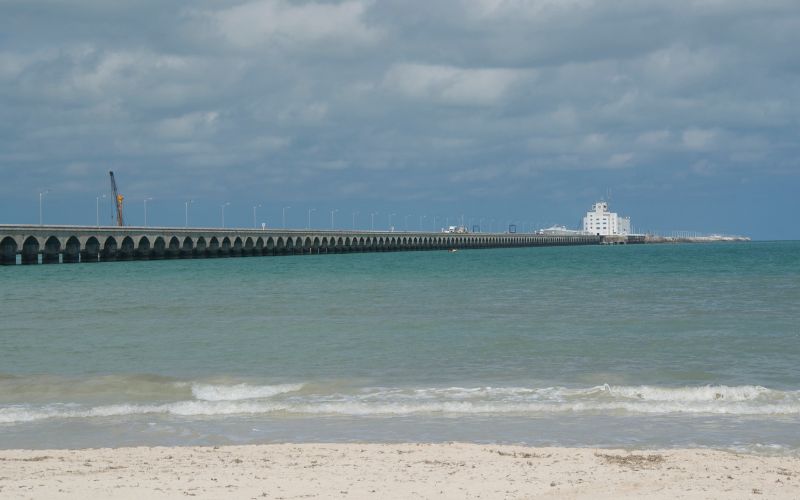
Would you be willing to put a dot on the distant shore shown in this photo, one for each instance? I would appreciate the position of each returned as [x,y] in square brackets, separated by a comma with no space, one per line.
[453,470]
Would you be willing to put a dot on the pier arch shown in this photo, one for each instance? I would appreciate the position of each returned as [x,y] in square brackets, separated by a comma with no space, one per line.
[143,249]
[213,247]
[173,250]
[237,247]
[225,247]
[72,251]
[187,248]
[91,250]
[159,249]
[30,250]
[8,251]
[51,251]
[110,249]
[201,247]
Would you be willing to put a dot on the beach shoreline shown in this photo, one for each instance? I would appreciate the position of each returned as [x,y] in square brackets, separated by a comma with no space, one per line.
[412,470]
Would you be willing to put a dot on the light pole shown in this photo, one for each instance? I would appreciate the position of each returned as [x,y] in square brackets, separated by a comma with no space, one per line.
[333,212]
[422,218]
[391,228]
[145,210]
[372,221]
[223,212]
[254,215]
[434,222]
[308,226]
[98,208]
[354,220]
[41,195]
[186,213]
[283,215]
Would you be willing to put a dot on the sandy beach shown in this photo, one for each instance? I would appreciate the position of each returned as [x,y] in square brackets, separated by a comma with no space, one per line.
[453,470]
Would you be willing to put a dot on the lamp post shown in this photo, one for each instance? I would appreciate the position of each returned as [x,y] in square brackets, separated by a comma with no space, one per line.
[98,208]
[354,220]
[145,210]
[434,222]
[308,226]
[333,212]
[223,212]
[422,218]
[254,215]
[283,215]
[41,195]
[186,212]
[372,221]
[391,228]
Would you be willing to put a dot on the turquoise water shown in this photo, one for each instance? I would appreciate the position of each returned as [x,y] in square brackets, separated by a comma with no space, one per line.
[635,346]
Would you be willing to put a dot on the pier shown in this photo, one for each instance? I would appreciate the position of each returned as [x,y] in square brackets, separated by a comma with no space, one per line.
[27,244]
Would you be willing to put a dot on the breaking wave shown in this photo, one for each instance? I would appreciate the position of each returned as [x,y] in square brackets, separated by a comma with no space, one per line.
[206,399]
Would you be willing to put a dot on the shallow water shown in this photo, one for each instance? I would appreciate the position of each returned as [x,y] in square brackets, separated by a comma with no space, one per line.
[637,346]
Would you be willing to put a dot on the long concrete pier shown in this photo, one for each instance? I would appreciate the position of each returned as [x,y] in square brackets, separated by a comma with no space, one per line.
[70,244]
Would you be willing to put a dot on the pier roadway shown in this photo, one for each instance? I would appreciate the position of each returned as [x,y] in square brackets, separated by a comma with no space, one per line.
[66,244]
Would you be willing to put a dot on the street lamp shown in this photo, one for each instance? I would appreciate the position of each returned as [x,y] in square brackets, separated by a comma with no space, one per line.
[354,220]
[422,218]
[308,226]
[434,222]
[145,210]
[333,212]
[98,208]
[254,215]
[283,215]
[372,220]
[391,228]
[186,214]
[41,195]
[223,212]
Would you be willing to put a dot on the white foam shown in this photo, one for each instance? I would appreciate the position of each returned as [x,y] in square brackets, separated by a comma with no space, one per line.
[243,399]
[693,394]
[238,392]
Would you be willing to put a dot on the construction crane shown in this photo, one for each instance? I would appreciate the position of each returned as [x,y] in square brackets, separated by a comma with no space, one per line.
[118,198]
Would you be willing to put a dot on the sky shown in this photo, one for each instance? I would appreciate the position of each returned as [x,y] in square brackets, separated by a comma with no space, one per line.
[682,113]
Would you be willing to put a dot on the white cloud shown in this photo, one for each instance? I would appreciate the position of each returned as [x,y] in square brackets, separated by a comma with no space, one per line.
[279,22]
[189,125]
[618,160]
[653,137]
[452,85]
[698,139]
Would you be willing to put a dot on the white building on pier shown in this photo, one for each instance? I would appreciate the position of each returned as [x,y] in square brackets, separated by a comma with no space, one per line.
[604,223]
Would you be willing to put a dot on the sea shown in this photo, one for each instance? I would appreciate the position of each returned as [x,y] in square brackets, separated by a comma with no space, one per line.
[636,347]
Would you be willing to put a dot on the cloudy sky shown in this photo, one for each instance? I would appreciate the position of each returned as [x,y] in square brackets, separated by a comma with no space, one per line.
[527,111]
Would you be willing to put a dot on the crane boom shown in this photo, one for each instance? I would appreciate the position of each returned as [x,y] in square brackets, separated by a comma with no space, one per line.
[118,198]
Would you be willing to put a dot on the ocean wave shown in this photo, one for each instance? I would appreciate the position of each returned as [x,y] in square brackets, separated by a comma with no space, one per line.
[288,399]
[237,392]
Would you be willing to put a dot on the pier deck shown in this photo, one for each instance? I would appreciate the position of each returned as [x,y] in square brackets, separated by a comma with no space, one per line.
[72,244]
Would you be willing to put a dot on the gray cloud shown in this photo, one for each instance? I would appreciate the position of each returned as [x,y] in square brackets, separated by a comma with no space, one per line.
[395,101]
